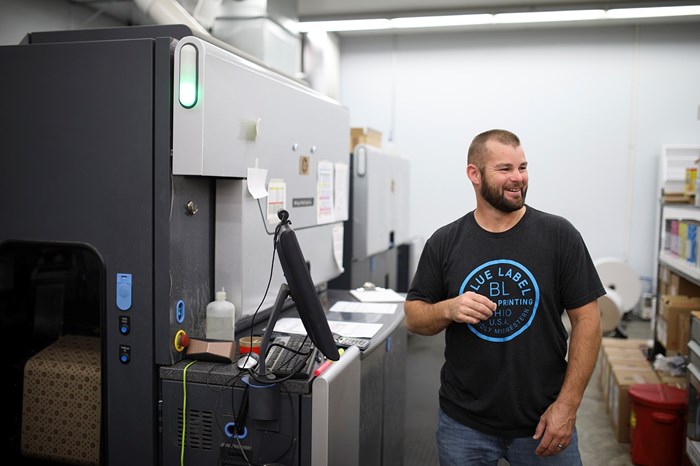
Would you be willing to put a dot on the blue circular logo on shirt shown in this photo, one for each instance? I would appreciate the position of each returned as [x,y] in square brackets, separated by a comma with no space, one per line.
[514,290]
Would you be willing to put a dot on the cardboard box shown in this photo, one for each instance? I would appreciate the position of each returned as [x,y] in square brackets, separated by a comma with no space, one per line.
[619,357]
[674,308]
[672,284]
[634,343]
[620,406]
[613,354]
[680,287]
[626,365]
[664,281]
[684,333]
[368,136]
[661,330]
[680,381]
[627,343]
[677,198]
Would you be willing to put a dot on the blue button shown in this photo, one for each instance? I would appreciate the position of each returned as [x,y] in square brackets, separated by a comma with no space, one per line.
[124,353]
[124,325]
[124,291]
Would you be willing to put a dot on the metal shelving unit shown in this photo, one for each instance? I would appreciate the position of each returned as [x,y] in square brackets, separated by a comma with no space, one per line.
[688,271]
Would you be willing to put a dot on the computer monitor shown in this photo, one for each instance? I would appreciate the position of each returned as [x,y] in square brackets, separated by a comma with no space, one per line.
[303,291]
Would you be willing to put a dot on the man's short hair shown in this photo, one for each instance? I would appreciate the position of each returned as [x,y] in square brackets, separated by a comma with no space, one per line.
[477,149]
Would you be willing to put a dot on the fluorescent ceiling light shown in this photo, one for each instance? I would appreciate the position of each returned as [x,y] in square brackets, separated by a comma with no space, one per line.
[440,21]
[654,12]
[548,16]
[529,17]
[346,25]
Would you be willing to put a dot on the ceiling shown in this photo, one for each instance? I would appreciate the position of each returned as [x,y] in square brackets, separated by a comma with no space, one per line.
[345,9]
[335,9]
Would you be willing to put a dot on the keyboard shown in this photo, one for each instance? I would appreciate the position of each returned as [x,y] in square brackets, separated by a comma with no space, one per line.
[346,342]
[284,363]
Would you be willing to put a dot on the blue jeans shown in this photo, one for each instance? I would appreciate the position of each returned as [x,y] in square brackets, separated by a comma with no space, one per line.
[460,445]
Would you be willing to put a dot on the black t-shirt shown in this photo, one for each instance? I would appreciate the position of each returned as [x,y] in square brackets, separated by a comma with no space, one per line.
[500,375]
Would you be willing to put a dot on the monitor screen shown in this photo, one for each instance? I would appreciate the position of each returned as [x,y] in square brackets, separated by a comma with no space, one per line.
[303,292]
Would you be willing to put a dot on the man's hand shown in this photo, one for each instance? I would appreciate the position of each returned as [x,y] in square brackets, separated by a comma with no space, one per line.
[430,319]
[555,428]
[470,308]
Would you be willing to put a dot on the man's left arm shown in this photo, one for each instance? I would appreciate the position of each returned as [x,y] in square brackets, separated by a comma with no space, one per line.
[557,424]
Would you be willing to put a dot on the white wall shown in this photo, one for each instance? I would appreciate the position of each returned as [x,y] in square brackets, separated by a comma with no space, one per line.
[592,106]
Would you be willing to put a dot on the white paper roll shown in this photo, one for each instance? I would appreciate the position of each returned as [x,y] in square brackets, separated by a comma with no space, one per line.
[618,276]
[610,310]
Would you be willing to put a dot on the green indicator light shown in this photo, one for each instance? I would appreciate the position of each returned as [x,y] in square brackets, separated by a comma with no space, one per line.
[187,93]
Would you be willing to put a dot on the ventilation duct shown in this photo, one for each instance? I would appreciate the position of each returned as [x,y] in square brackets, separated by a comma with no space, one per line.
[265,29]
[249,32]
[170,12]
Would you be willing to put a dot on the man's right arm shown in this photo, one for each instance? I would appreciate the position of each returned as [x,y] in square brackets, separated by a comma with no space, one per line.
[430,319]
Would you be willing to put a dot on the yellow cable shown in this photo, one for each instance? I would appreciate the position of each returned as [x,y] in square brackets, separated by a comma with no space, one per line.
[184,412]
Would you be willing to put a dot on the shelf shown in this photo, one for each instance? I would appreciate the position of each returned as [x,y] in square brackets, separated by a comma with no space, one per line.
[689,271]
[681,211]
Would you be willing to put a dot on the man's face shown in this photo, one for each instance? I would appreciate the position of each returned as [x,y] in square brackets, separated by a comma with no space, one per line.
[504,177]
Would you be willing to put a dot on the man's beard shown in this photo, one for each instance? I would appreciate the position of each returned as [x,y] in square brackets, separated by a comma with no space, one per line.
[497,199]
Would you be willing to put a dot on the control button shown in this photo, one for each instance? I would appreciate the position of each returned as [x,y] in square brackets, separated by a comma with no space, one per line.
[124,325]
[181,341]
[180,311]
[124,291]
[124,354]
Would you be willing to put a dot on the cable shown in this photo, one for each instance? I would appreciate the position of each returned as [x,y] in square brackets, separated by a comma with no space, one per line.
[184,412]
[284,221]
[272,271]
[262,215]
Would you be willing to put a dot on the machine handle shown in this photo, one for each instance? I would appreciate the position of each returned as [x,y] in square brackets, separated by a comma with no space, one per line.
[664,418]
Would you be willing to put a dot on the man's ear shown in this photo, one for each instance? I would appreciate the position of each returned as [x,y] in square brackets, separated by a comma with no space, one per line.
[473,173]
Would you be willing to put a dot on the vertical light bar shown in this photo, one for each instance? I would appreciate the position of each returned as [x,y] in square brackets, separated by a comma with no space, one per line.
[187,93]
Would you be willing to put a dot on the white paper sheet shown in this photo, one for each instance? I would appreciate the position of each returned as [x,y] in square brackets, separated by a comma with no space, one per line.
[377,295]
[347,329]
[277,199]
[354,329]
[325,212]
[342,190]
[338,240]
[366,308]
[256,182]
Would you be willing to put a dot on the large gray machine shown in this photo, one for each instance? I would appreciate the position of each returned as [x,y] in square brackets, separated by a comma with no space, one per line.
[127,204]
[376,235]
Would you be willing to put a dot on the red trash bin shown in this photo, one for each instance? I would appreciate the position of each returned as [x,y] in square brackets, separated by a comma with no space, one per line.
[657,424]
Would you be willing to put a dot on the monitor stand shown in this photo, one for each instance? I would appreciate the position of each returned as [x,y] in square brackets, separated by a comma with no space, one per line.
[282,295]
[264,389]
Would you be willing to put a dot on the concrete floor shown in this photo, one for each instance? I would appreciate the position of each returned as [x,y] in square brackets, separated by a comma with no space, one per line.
[596,441]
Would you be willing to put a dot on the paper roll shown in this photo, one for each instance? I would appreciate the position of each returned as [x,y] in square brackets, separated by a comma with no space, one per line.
[618,276]
[611,310]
